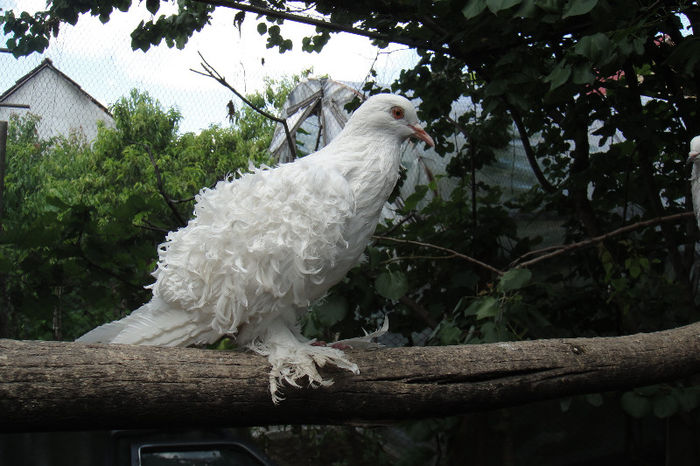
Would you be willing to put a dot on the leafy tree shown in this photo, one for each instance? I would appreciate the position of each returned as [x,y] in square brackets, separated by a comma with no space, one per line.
[82,221]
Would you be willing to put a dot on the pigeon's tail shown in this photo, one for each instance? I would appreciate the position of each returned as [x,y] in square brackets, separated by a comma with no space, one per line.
[293,360]
[155,324]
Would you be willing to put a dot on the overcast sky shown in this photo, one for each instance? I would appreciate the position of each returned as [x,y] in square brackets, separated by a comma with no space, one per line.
[99,58]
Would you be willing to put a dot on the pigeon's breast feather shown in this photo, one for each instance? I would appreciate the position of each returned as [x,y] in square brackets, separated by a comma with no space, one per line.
[271,239]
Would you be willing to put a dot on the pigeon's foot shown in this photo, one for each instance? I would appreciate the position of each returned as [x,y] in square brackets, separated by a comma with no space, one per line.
[341,346]
[337,345]
[298,364]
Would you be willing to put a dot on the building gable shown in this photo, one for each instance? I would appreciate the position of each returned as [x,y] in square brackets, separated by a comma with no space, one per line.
[63,106]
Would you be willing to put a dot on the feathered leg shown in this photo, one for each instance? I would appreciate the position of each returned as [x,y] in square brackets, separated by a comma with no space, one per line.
[293,360]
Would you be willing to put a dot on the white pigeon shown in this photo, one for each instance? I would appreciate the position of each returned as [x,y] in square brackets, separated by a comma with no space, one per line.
[695,175]
[260,249]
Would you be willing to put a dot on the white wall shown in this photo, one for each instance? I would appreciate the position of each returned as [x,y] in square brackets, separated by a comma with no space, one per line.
[60,104]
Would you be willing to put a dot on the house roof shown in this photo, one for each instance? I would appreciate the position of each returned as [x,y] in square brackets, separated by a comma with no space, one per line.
[47,63]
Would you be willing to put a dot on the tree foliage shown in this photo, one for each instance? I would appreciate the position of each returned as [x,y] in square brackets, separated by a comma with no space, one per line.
[82,221]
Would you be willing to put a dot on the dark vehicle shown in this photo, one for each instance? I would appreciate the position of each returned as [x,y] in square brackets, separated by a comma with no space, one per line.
[131,448]
[157,448]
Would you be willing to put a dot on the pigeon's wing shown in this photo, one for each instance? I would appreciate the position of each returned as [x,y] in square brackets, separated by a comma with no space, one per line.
[264,243]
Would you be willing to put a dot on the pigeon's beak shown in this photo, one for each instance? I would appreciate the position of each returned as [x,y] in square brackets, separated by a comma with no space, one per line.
[692,155]
[422,135]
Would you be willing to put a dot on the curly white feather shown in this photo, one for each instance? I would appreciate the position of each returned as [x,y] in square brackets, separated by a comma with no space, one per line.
[262,247]
[260,244]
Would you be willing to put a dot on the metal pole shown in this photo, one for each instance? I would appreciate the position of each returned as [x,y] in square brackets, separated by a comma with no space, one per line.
[3,155]
[4,302]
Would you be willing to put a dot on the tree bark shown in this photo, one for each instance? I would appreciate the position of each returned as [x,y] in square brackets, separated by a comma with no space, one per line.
[71,386]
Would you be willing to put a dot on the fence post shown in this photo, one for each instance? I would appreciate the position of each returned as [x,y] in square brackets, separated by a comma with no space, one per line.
[4,316]
[3,157]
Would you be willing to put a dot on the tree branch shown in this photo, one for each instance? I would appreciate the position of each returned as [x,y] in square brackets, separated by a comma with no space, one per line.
[325,24]
[71,386]
[161,188]
[546,253]
[392,260]
[410,216]
[529,153]
[452,252]
[551,251]
[210,72]
[147,225]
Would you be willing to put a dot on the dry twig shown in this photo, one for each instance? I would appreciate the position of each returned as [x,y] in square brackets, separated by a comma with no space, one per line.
[452,253]
[210,72]
[557,250]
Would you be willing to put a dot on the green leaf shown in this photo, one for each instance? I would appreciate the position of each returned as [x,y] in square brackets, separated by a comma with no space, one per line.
[665,406]
[498,5]
[596,47]
[514,279]
[489,332]
[559,75]
[331,310]
[549,6]
[392,285]
[412,201]
[484,307]
[309,327]
[582,74]
[635,405]
[688,398]
[448,333]
[565,404]
[686,55]
[57,202]
[528,9]
[578,7]
[594,399]
[306,44]
[634,269]
[180,41]
[374,255]
[474,8]
[286,44]
[152,6]
[6,265]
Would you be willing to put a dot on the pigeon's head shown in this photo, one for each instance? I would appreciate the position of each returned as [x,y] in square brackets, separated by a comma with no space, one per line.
[390,113]
[694,149]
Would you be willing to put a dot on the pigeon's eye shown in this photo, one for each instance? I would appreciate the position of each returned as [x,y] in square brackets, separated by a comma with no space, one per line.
[397,112]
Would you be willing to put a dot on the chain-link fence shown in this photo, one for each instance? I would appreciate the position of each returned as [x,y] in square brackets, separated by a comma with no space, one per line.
[93,66]
[99,61]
